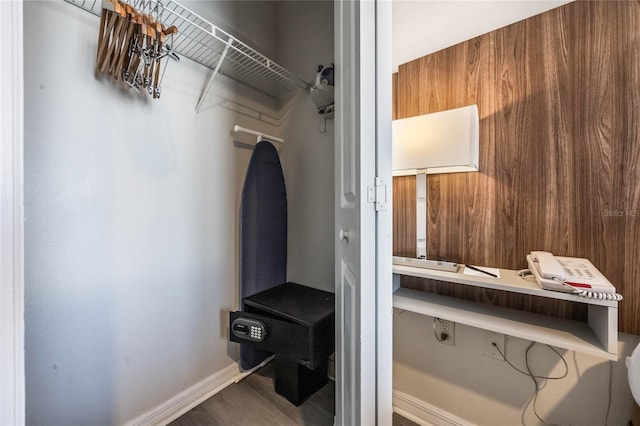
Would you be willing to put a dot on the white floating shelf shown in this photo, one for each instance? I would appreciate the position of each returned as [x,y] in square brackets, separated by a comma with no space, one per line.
[598,336]
[509,281]
[208,45]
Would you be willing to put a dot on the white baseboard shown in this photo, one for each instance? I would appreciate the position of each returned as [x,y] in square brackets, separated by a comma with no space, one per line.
[188,399]
[423,413]
[407,406]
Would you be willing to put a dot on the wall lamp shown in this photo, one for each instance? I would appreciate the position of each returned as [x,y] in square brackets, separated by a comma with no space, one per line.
[441,142]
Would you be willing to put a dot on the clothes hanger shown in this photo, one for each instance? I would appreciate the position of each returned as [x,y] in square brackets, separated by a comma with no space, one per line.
[125,50]
[122,41]
[132,43]
[116,38]
[157,82]
[112,10]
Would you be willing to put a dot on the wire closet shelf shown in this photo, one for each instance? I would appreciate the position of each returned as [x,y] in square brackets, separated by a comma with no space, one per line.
[208,45]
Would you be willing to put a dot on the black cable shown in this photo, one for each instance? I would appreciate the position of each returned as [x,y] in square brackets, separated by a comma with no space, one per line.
[537,387]
[566,366]
[606,419]
[533,376]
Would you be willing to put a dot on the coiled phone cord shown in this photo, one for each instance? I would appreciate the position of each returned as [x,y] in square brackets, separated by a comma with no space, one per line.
[579,291]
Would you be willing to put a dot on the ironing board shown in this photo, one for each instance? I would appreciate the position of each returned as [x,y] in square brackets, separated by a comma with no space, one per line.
[263,233]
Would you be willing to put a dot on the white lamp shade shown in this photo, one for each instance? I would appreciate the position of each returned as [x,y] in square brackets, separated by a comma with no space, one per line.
[441,142]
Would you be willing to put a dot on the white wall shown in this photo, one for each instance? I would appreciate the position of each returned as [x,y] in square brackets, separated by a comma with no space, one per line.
[253,22]
[462,381]
[131,211]
[423,27]
[305,40]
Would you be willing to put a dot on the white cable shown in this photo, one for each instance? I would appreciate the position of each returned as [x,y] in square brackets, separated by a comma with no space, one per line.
[524,273]
[590,293]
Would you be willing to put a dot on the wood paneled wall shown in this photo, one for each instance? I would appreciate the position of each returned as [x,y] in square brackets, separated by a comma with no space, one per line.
[559,102]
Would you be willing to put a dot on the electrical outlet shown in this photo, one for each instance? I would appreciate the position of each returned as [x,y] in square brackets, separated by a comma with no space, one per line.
[489,338]
[445,331]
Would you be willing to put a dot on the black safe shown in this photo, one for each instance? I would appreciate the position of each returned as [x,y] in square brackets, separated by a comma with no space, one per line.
[295,323]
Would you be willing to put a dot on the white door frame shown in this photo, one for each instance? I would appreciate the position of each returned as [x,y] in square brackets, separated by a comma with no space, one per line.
[363,252]
[384,217]
[12,396]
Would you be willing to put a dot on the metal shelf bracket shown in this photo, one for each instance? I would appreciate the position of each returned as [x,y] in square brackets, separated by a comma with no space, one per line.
[213,76]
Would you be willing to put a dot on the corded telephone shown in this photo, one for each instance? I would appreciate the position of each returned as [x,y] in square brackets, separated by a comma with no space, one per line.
[571,275]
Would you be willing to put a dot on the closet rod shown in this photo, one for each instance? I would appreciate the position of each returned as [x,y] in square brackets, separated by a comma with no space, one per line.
[258,135]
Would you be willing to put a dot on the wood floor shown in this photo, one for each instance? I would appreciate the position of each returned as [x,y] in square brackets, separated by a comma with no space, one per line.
[253,402]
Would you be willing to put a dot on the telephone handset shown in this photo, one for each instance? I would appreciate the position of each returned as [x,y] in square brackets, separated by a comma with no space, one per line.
[571,275]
